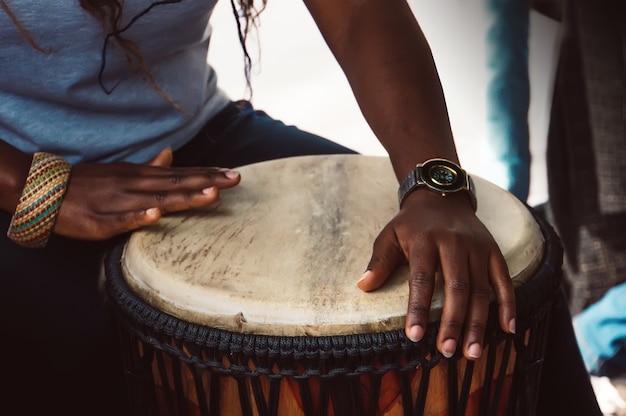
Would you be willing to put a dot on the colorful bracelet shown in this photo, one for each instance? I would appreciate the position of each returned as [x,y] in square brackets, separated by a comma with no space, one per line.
[41,199]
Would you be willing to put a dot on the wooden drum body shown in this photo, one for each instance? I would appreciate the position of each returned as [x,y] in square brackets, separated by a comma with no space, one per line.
[250,307]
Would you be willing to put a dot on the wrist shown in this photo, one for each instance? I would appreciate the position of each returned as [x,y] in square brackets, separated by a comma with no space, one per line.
[423,198]
[13,172]
[441,176]
[40,200]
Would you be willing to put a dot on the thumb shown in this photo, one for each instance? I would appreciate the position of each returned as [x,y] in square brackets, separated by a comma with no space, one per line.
[163,159]
[385,258]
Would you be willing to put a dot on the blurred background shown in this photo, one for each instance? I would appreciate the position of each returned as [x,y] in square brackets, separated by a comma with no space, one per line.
[297,80]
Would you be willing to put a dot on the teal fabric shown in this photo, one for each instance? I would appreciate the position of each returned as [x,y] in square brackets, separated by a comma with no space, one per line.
[508,92]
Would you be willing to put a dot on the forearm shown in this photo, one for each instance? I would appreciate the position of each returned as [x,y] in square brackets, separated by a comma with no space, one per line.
[14,167]
[390,68]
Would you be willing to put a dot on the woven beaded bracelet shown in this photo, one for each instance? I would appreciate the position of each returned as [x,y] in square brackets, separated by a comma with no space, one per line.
[41,199]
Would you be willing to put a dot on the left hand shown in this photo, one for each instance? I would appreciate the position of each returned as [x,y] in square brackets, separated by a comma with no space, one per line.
[442,234]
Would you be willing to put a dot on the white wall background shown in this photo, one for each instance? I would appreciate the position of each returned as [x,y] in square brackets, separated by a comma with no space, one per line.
[297,80]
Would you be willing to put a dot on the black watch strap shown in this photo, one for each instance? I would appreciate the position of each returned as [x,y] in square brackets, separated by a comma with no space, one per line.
[408,184]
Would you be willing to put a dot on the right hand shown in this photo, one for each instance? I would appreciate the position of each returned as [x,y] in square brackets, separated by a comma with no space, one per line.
[105,200]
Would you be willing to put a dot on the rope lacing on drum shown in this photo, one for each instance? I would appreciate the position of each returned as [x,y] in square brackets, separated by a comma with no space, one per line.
[331,358]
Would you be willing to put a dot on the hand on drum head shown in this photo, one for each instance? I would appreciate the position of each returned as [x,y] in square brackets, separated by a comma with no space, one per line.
[105,200]
[441,234]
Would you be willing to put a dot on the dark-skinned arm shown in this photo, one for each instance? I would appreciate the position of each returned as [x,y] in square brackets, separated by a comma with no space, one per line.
[103,200]
[390,68]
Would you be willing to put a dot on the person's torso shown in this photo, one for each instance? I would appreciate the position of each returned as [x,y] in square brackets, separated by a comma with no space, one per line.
[83,101]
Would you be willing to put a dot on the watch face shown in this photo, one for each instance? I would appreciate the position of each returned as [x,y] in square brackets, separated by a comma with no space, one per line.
[443,175]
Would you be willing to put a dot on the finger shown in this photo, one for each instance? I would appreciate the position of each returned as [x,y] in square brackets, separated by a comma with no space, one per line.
[183,179]
[164,159]
[454,267]
[136,220]
[182,201]
[166,202]
[500,280]
[478,311]
[423,268]
[171,191]
[386,256]
[100,227]
[118,202]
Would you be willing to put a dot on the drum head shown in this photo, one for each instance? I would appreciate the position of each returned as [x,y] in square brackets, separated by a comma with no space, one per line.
[281,253]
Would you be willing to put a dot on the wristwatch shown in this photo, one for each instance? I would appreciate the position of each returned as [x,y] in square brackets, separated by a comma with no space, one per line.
[439,175]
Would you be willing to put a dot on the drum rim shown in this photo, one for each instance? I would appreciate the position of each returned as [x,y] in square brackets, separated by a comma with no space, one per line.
[159,328]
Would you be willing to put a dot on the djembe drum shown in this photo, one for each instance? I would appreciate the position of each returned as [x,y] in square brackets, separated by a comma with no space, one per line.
[250,306]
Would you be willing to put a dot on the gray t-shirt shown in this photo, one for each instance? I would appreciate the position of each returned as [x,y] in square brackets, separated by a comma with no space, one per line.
[52,101]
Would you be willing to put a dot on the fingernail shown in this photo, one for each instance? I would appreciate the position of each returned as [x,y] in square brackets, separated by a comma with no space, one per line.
[416,333]
[365,275]
[231,174]
[152,211]
[208,191]
[474,350]
[512,328]
[448,348]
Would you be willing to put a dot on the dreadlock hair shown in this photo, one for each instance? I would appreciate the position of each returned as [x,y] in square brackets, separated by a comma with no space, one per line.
[109,13]
[249,14]
[23,31]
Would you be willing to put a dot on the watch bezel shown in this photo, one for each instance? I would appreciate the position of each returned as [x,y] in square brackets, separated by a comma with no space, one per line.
[427,176]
